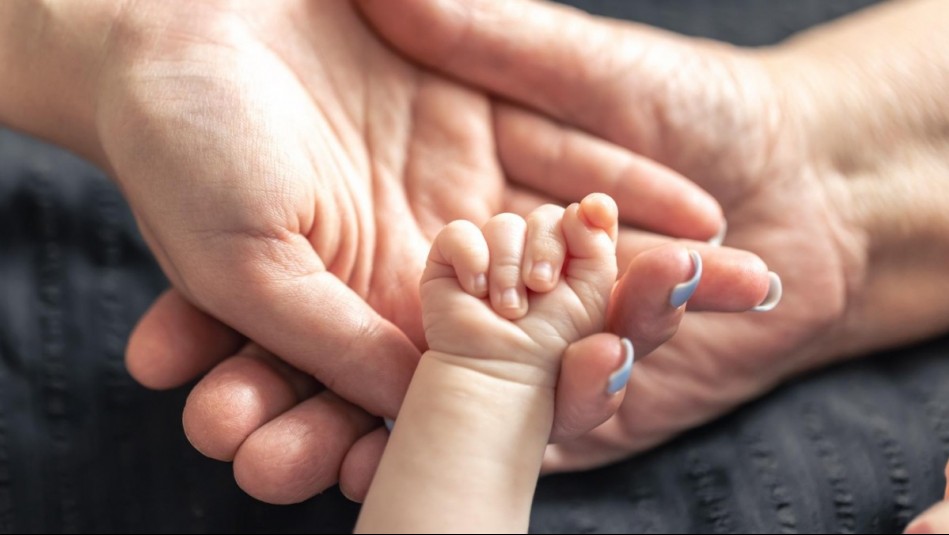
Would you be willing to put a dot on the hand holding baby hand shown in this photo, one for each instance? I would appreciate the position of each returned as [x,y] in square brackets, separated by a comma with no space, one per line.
[509,298]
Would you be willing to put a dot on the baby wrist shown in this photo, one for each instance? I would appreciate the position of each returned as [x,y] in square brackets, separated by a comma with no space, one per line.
[498,371]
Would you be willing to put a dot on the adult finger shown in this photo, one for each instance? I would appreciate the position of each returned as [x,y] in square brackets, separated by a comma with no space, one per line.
[631,242]
[174,342]
[734,280]
[547,156]
[592,384]
[237,397]
[646,307]
[299,453]
[657,408]
[934,520]
[540,64]
[313,321]
[361,463]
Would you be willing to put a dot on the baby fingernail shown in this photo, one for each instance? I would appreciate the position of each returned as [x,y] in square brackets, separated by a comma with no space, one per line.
[620,377]
[683,292]
[542,271]
[510,299]
[480,283]
[775,290]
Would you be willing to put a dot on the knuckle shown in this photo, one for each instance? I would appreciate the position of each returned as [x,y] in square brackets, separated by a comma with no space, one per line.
[546,245]
[658,333]
[545,215]
[507,220]
[506,266]
[459,226]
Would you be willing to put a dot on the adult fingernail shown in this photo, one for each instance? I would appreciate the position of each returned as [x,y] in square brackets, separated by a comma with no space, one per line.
[620,377]
[775,290]
[342,490]
[933,520]
[510,299]
[542,271]
[390,423]
[719,238]
[683,292]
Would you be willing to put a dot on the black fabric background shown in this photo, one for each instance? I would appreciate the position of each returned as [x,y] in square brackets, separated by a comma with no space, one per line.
[82,448]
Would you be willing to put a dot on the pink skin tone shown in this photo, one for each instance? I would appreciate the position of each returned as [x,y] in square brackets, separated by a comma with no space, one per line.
[262,187]
[467,449]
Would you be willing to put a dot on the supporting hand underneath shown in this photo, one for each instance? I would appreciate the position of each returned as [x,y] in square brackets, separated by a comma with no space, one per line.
[288,170]
[466,451]
[827,154]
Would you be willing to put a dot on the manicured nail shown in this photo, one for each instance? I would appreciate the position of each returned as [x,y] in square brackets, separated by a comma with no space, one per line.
[774,294]
[480,283]
[390,423]
[542,271]
[510,299]
[620,377]
[719,238]
[682,292]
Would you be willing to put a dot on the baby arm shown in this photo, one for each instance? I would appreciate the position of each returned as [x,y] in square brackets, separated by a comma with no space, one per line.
[500,305]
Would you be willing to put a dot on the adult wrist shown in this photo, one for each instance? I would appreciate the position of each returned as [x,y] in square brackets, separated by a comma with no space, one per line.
[50,56]
[872,117]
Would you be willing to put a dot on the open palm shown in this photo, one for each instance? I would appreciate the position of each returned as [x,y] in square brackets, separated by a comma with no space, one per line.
[285,180]
[288,170]
[723,117]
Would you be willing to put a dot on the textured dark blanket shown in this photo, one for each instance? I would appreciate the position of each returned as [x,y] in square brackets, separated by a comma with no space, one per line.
[82,448]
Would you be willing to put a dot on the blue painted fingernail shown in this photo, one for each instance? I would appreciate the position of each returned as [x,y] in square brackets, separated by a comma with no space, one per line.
[683,291]
[620,377]
[390,423]
[719,238]
[775,290]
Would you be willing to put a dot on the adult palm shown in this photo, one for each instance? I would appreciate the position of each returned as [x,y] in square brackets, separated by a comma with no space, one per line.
[274,156]
[737,123]
[288,171]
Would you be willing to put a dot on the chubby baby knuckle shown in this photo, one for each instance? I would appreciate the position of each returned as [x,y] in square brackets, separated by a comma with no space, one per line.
[506,220]
[459,226]
[546,244]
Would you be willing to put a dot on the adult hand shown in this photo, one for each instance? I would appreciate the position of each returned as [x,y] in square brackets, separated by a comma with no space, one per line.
[287,169]
[271,155]
[805,152]
[933,520]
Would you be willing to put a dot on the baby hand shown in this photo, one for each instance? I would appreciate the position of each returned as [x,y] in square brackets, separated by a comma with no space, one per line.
[508,298]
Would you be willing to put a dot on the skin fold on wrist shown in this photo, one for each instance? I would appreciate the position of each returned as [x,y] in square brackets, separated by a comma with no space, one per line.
[456,421]
[515,373]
